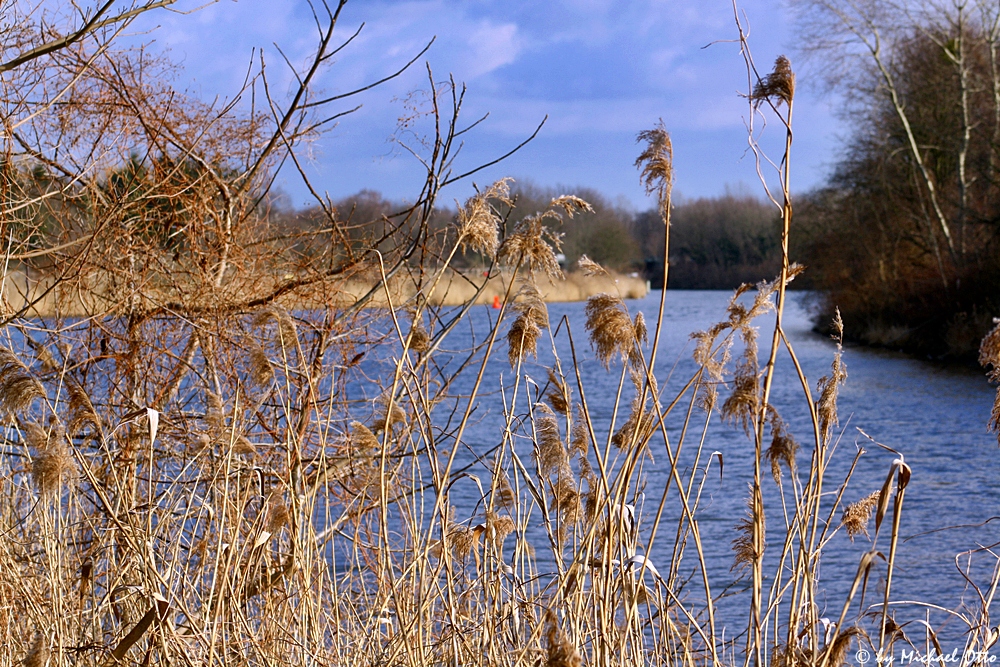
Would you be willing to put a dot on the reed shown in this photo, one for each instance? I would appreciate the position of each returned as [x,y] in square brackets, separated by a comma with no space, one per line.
[272,486]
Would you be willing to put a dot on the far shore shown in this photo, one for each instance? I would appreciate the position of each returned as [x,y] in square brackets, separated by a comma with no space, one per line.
[453,289]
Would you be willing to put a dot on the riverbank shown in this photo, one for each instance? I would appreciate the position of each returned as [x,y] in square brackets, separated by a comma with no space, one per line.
[454,288]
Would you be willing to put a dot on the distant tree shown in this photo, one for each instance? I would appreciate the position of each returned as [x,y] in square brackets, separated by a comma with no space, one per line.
[603,235]
[904,238]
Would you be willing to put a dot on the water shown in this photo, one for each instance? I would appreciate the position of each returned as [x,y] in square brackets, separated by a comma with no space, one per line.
[934,415]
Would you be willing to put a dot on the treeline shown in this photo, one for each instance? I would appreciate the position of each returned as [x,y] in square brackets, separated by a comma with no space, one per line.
[715,243]
[905,237]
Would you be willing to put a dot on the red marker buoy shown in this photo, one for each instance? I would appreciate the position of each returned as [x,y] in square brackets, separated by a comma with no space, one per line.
[496,302]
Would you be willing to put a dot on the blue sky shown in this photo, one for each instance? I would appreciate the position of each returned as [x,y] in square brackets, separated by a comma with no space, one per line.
[601,70]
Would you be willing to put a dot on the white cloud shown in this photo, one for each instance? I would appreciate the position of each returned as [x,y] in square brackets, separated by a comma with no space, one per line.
[491,47]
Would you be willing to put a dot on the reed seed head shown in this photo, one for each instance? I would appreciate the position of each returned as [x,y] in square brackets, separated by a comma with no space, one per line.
[534,244]
[362,439]
[386,418]
[656,165]
[743,546]
[743,403]
[80,408]
[989,348]
[579,439]
[287,331]
[989,356]
[261,372]
[566,496]
[558,393]
[778,86]
[828,387]
[560,651]
[783,446]
[611,329]
[550,451]
[570,205]
[18,387]
[42,353]
[504,493]
[277,513]
[637,428]
[478,221]
[419,340]
[590,267]
[498,527]
[532,317]
[243,447]
[857,515]
[53,465]
[38,654]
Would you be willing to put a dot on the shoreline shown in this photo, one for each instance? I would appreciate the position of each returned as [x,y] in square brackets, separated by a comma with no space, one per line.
[454,288]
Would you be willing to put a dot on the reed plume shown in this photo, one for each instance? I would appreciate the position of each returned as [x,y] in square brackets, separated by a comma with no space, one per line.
[743,404]
[579,439]
[386,419]
[828,386]
[362,440]
[81,410]
[38,654]
[549,449]
[611,329]
[743,546]
[638,427]
[532,317]
[778,86]
[287,330]
[478,221]
[570,205]
[783,446]
[856,516]
[590,267]
[656,165]
[18,387]
[42,353]
[261,372]
[52,465]
[277,514]
[498,527]
[558,394]
[503,492]
[560,651]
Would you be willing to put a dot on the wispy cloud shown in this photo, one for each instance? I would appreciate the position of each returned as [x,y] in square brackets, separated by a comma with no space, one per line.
[600,69]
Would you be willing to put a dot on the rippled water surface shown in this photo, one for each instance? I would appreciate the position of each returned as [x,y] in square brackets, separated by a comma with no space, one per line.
[935,415]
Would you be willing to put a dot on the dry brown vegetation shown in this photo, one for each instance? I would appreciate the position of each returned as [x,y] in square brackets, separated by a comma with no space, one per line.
[188,480]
